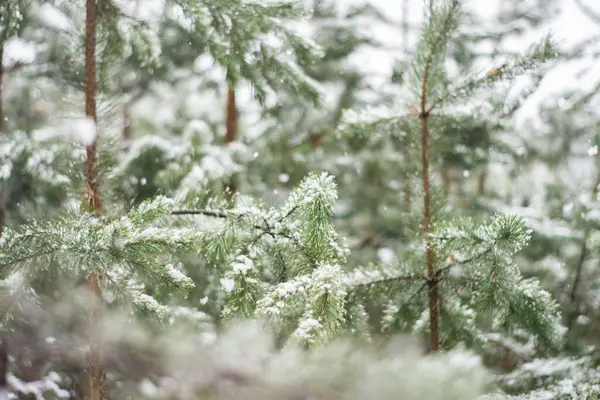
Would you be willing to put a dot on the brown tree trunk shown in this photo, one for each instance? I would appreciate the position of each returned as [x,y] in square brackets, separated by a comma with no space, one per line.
[1,87]
[231,132]
[93,182]
[231,117]
[126,122]
[316,139]
[481,184]
[96,374]
[434,338]
[3,362]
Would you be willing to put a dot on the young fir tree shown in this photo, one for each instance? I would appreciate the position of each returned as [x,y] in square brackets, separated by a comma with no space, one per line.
[485,298]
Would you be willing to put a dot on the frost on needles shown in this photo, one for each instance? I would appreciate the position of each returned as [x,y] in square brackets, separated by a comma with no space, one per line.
[128,251]
[281,261]
[460,282]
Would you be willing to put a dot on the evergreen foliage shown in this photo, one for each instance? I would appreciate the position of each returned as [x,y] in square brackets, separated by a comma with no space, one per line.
[278,245]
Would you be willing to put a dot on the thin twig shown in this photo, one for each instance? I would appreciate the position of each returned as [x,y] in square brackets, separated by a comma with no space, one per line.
[208,213]
[466,261]
[411,277]
[415,294]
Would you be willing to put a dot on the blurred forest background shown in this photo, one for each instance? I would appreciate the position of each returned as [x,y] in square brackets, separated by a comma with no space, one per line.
[328,199]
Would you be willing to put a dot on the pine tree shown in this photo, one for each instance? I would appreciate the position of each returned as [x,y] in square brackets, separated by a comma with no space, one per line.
[484,250]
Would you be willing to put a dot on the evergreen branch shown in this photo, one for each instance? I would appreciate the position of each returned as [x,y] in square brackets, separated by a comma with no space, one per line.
[27,258]
[302,248]
[119,289]
[467,261]
[411,277]
[208,213]
[415,294]
[225,214]
[538,54]
[441,35]
[217,214]
[56,250]
[267,229]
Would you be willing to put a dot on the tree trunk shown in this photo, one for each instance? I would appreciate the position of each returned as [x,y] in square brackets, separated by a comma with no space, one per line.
[231,117]
[1,87]
[575,301]
[126,122]
[231,133]
[316,139]
[3,363]
[481,183]
[432,278]
[96,374]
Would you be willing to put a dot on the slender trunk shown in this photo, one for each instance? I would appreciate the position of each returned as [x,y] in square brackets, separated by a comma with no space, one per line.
[231,132]
[96,374]
[1,87]
[126,122]
[574,298]
[434,339]
[3,363]
[481,184]
[231,117]
[93,182]
[316,139]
